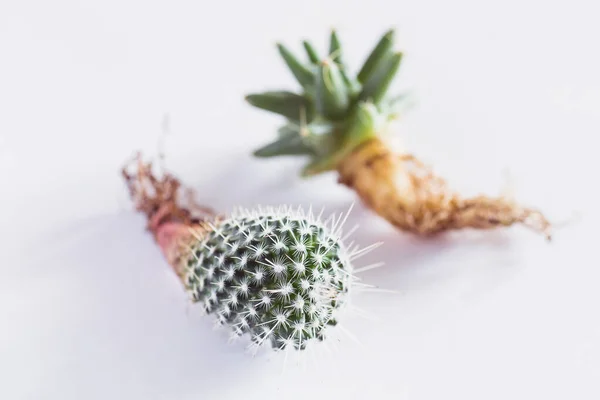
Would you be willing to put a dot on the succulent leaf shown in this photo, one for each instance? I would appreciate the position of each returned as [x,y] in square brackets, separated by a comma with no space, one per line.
[286,145]
[365,124]
[288,130]
[354,87]
[312,54]
[291,105]
[335,48]
[335,99]
[319,165]
[379,53]
[332,94]
[376,86]
[302,73]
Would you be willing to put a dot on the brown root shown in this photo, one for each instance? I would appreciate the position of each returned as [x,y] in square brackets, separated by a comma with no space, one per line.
[174,217]
[410,196]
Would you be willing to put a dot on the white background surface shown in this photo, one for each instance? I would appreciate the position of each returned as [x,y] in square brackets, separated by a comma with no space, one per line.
[89,309]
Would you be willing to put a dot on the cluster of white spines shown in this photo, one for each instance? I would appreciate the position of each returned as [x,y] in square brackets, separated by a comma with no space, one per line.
[279,275]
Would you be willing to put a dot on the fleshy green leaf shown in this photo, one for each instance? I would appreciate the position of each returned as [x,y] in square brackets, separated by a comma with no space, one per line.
[288,130]
[335,48]
[375,88]
[335,52]
[284,146]
[312,54]
[335,112]
[302,73]
[366,123]
[318,166]
[320,137]
[291,105]
[332,94]
[379,53]
[352,84]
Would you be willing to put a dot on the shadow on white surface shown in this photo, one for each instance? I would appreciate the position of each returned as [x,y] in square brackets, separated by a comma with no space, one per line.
[118,319]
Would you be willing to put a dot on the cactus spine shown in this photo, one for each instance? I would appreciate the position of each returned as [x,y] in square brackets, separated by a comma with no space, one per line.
[279,276]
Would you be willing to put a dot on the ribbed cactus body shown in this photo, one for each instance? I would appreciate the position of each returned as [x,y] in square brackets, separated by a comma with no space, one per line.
[281,278]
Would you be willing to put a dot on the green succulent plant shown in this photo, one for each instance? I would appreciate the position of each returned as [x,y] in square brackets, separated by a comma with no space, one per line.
[334,111]
[338,119]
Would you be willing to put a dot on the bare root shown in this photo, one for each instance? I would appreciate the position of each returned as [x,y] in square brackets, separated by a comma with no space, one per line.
[410,196]
[174,217]
[162,199]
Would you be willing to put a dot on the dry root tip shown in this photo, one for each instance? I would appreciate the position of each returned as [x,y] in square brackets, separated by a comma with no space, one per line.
[487,213]
[481,213]
[536,221]
[161,198]
[407,193]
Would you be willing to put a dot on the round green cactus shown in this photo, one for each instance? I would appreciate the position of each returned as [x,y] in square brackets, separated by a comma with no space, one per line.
[279,276]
